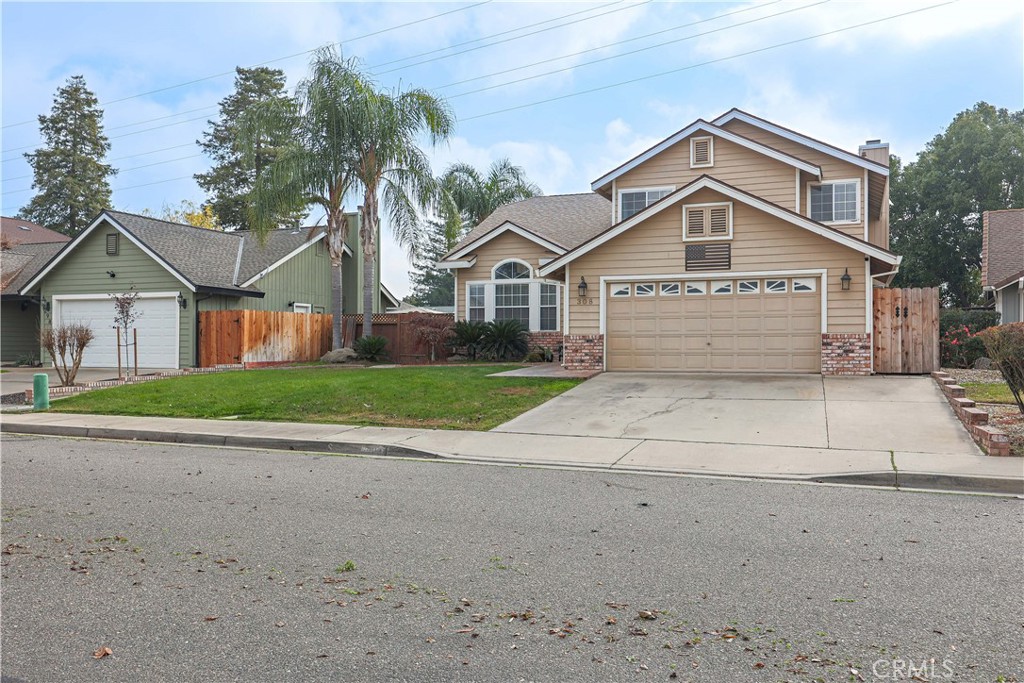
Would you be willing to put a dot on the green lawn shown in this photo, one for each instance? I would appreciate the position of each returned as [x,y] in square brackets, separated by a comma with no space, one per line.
[431,397]
[988,392]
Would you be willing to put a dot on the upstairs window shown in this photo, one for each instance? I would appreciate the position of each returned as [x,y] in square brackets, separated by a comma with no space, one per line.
[707,222]
[512,270]
[632,202]
[702,152]
[835,202]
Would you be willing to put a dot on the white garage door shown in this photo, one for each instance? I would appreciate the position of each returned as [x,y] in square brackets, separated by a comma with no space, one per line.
[157,327]
[735,325]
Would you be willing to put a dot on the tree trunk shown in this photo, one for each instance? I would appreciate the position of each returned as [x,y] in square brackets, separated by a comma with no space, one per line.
[336,308]
[336,229]
[368,236]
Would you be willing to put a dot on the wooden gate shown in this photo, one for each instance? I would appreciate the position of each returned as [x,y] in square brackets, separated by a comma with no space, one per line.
[906,331]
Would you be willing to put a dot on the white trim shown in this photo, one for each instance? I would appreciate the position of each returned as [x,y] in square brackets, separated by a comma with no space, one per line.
[70,246]
[849,157]
[757,203]
[507,226]
[821,273]
[387,293]
[1011,282]
[520,261]
[796,206]
[306,308]
[295,252]
[711,151]
[713,129]
[544,261]
[455,297]
[565,320]
[455,265]
[861,213]
[867,202]
[533,286]
[869,310]
[709,237]
[670,189]
[58,299]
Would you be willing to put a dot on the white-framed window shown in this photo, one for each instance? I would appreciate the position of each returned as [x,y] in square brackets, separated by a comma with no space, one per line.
[633,201]
[548,307]
[749,286]
[620,290]
[477,303]
[670,289]
[702,152]
[703,222]
[804,284]
[721,286]
[775,286]
[302,308]
[645,289]
[511,270]
[512,300]
[834,202]
[695,288]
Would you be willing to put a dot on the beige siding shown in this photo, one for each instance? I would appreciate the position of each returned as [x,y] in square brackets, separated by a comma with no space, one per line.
[506,246]
[734,164]
[761,242]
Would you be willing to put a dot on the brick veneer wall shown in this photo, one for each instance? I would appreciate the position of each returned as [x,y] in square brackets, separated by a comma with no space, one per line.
[551,340]
[583,352]
[846,354]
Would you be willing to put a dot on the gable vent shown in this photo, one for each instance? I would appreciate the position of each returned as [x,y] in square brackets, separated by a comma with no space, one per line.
[695,222]
[112,243]
[719,220]
[701,152]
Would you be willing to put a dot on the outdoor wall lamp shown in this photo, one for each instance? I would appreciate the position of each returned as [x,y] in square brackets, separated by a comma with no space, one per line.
[46,305]
[845,280]
[182,301]
[582,287]
[111,273]
[290,304]
[24,306]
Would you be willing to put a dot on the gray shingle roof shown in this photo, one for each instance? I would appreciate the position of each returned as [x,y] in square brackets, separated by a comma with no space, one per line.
[207,258]
[21,263]
[1004,247]
[567,220]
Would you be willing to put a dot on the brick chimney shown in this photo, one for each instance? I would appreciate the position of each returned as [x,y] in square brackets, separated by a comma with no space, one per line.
[875,150]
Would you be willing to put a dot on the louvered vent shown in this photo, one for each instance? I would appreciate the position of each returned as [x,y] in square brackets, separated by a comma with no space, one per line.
[695,222]
[701,152]
[112,244]
[719,221]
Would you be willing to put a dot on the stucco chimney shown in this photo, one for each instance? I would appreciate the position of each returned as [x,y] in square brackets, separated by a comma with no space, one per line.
[875,150]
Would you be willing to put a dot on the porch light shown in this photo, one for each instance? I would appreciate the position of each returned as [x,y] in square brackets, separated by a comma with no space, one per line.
[182,301]
[582,287]
[846,280]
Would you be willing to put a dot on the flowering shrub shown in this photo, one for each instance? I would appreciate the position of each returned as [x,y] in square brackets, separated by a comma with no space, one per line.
[960,347]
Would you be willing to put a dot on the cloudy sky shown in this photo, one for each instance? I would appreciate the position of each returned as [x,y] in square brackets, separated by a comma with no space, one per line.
[567,90]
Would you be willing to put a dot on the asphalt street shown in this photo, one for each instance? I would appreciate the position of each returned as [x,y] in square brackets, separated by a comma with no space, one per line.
[215,564]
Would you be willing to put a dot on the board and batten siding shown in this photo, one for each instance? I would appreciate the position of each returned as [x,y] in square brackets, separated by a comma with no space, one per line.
[761,243]
[19,332]
[734,164]
[832,168]
[305,278]
[84,271]
[503,247]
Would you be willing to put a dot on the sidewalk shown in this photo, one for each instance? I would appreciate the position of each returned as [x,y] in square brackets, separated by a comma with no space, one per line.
[877,468]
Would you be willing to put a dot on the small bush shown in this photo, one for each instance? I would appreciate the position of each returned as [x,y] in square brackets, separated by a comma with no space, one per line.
[371,348]
[974,320]
[1005,346]
[959,344]
[467,335]
[432,330]
[66,344]
[540,354]
[505,340]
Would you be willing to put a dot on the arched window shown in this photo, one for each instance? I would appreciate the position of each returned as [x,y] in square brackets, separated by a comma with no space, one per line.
[512,270]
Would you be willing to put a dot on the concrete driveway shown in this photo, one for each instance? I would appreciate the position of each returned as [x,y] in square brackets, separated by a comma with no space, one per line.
[16,380]
[880,414]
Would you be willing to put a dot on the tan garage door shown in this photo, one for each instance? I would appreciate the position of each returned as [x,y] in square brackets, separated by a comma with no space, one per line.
[751,325]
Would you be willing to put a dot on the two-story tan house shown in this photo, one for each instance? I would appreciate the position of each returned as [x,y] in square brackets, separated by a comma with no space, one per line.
[735,245]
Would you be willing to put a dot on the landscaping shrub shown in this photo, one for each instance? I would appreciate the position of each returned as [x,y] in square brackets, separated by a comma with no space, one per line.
[959,344]
[1005,346]
[371,348]
[468,335]
[66,344]
[505,340]
[540,354]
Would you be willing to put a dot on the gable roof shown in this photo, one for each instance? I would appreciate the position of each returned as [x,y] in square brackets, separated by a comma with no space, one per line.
[800,138]
[706,181]
[19,231]
[197,257]
[22,262]
[558,221]
[1003,254]
[711,128]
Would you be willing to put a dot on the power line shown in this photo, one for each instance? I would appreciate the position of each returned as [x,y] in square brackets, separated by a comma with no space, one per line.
[277,59]
[710,61]
[122,135]
[119,171]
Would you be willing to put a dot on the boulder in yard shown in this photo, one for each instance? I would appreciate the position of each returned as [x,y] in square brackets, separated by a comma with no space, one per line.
[345,355]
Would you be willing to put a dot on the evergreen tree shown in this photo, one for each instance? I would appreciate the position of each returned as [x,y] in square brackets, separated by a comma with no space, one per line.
[69,171]
[229,182]
[432,286]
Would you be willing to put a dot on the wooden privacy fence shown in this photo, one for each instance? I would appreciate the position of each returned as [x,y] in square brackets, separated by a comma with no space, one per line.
[227,337]
[906,330]
[399,329]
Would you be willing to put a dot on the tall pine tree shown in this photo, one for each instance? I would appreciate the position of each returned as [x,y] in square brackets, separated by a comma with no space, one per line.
[432,286]
[69,171]
[231,179]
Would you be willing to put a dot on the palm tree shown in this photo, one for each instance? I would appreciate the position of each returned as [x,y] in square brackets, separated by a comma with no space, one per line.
[470,197]
[391,169]
[315,166]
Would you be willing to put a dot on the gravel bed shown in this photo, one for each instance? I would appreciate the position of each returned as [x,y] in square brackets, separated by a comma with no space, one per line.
[15,399]
[962,375]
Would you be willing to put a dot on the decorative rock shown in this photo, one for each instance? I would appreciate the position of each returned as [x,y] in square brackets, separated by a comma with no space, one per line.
[345,355]
[983,364]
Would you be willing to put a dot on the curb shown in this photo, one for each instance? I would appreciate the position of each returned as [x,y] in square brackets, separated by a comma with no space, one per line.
[882,479]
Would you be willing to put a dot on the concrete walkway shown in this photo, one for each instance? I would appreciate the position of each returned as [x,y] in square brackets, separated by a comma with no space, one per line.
[908,469]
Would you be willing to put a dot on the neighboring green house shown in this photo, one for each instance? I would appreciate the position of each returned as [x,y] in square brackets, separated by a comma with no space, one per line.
[180,270]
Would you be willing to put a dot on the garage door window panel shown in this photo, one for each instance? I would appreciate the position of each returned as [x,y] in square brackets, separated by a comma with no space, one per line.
[749,287]
[721,286]
[775,286]
[804,285]
[645,290]
[696,288]
[670,289]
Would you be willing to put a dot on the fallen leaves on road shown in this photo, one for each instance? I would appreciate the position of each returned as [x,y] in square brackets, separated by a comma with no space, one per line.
[102,652]
[646,614]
